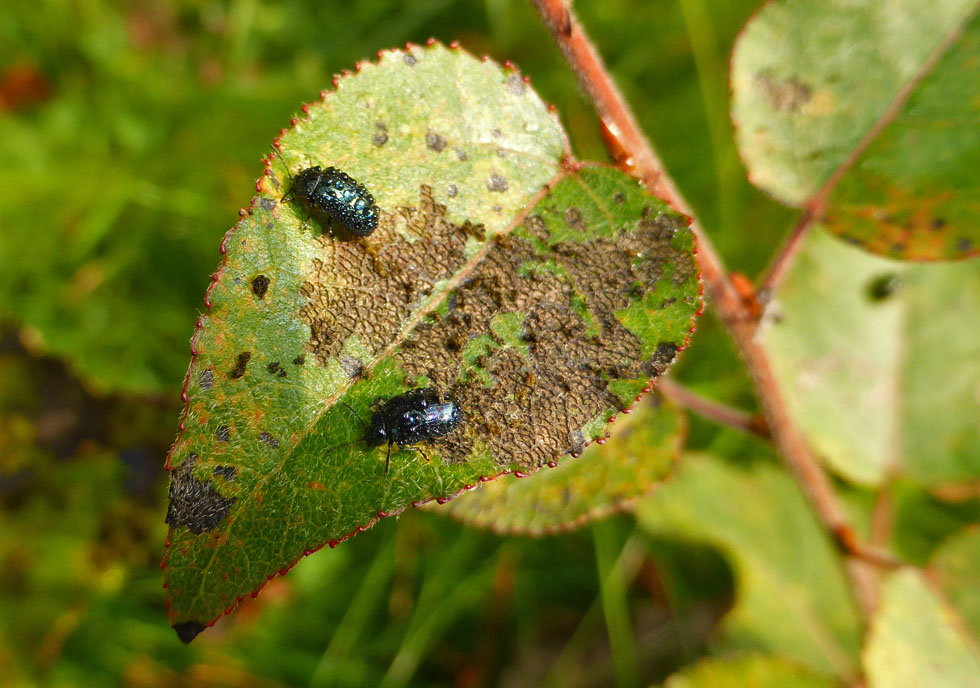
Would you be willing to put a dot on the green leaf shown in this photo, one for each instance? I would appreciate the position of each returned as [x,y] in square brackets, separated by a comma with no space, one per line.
[879,362]
[925,517]
[747,671]
[640,452]
[540,294]
[814,85]
[792,595]
[957,565]
[915,641]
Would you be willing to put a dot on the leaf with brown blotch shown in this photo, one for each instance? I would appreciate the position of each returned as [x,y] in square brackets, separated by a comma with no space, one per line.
[536,294]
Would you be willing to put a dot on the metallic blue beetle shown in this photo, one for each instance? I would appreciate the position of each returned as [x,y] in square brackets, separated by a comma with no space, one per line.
[333,195]
[410,418]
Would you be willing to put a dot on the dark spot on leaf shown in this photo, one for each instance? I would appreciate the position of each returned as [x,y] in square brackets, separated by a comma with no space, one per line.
[195,504]
[409,59]
[259,285]
[451,192]
[882,286]
[477,231]
[225,472]
[497,208]
[351,366]
[267,203]
[269,439]
[573,218]
[276,369]
[188,630]
[516,85]
[381,136]
[222,433]
[619,198]
[788,95]
[460,153]
[536,225]
[495,132]
[206,379]
[938,223]
[496,183]
[240,365]
[665,354]
[964,245]
[661,231]
[434,142]
[299,360]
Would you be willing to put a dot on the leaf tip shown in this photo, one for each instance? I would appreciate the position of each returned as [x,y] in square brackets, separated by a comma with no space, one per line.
[188,630]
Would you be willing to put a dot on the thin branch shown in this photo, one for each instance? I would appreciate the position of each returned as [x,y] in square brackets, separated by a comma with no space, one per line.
[788,251]
[713,410]
[642,160]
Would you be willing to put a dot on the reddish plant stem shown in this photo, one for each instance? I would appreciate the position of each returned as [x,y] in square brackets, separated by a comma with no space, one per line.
[784,258]
[638,156]
[713,410]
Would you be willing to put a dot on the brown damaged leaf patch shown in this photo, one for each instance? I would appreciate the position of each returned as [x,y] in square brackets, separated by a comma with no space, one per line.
[367,289]
[541,395]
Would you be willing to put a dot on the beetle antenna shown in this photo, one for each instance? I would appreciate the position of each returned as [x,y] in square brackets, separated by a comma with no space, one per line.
[338,446]
[355,413]
[288,174]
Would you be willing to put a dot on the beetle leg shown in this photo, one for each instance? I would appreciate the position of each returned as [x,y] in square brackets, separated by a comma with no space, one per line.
[419,450]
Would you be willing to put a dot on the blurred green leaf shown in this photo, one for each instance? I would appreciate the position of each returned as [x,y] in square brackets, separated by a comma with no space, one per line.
[923,518]
[879,362]
[640,452]
[957,565]
[72,539]
[540,332]
[792,595]
[811,81]
[748,671]
[914,641]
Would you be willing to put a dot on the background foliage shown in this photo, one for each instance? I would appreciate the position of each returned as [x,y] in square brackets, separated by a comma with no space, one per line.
[131,135]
